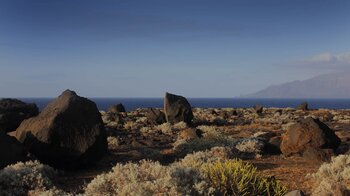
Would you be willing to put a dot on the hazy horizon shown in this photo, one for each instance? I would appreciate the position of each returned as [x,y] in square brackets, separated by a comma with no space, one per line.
[198,48]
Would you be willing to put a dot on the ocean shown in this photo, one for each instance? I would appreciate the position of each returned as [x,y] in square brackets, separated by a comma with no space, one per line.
[133,103]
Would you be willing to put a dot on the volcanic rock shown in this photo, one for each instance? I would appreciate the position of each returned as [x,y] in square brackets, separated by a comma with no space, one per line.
[68,133]
[13,112]
[155,116]
[258,109]
[308,133]
[11,150]
[177,109]
[117,108]
[303,106]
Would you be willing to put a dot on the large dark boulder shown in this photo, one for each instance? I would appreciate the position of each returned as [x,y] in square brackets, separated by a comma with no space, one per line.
[68,133]
[117,108]
[13,112]
[308,133]
[155,116]
[11,150]
[177,108]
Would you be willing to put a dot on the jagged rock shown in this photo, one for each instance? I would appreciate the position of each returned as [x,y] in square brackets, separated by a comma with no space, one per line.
[177,109]
[308,133]
[11,151]
[13,112]
[303,106]
[117,108]
[258,109]
[228,114]
[155,116]
[276,141]
[68,133]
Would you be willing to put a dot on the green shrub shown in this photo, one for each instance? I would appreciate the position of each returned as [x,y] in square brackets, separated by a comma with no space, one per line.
[233,177]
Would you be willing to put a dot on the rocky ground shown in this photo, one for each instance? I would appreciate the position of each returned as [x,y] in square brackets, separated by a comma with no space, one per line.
[93,152]
[132,137]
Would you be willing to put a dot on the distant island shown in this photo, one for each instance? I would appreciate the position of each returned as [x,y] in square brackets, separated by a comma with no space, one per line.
[335,85]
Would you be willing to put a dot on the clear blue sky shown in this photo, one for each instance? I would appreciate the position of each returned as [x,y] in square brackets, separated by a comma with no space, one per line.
[197,48]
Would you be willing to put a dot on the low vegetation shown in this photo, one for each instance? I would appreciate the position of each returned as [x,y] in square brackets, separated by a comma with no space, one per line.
[20,178]
[220,177]
[333,178]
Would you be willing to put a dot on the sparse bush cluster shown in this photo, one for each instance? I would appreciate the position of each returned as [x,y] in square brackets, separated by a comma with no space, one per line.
[169,129]
[19,178]
[333,178]
[197,159]
[144,178]
[220,177]
[250,147]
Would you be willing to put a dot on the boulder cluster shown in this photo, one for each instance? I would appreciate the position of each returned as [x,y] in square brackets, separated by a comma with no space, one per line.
[71,133]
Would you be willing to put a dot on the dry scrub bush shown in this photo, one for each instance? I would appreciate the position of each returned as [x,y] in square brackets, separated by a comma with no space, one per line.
[212,137]
[201,173]
[233,177]
[250,146]
[145,178]
[131,125]
[169,129]
[19,178]
[197,159]
[141,120]
[184,147]
[113,143]
[180,125]
[211,131]
[51,192]
[333,178]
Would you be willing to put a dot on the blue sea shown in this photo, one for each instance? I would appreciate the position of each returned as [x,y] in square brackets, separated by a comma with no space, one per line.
[133,103]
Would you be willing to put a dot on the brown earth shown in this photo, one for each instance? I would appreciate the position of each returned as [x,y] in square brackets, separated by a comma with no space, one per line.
[136,144]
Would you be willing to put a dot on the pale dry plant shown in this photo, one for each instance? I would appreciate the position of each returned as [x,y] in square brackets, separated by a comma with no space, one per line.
[146,178]
[19,178]
[50,192]
[332,178]
[113,143]
[131,125]
[250,145]
[165,128]
[197,159]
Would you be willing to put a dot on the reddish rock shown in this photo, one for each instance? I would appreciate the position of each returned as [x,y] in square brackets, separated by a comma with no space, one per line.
[308,133]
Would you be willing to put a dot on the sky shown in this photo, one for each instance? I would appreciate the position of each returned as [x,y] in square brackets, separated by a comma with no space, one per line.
[196,48]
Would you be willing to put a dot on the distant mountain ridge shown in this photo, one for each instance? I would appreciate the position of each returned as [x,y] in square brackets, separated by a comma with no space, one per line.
[335,85]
